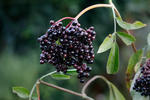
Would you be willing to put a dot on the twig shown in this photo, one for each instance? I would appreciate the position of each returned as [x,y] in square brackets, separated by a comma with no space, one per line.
[60,88]
[66,90]
[38,90]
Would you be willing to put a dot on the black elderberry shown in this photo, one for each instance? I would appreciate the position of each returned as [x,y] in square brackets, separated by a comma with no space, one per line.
[82,80]
[68,46]
[142,83]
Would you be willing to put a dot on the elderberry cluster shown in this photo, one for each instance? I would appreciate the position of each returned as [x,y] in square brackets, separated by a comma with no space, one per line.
[68,46]
[142,84]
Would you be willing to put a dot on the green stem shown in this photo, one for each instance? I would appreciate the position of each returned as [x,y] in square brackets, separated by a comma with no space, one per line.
[32,90]
[47,75]
[114,17]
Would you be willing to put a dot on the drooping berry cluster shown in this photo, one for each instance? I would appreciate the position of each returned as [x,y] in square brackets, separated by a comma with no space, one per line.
[68,46]
[142,84]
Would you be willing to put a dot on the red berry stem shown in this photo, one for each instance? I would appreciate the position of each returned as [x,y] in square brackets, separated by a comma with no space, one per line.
[69,24]
[63,19]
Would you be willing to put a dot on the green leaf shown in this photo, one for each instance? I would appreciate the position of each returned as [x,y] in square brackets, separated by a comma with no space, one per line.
[117,94]
[58,42]
[129,26]
[148,39]
[113,60]
[135,95]
[72,72]
[111,94]
[21,92]
[107,44]
[134,62]
[134,59]
[126,38]
[60,76]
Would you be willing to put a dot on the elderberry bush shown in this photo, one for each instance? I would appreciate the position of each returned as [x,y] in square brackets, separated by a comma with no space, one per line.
[68,46]
[142,84]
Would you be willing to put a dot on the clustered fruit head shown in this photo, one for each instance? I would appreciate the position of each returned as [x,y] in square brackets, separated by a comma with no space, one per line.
[142,84]
[68,46]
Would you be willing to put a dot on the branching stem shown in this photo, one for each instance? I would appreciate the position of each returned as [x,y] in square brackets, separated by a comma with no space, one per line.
[65,90]
[37,82]
[60,88]
[64,19]
[82,94]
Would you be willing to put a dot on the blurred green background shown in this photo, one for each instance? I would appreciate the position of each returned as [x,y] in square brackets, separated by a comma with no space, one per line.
[23,21]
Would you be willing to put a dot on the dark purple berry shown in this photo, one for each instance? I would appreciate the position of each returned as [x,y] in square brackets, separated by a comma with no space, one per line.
[82,80]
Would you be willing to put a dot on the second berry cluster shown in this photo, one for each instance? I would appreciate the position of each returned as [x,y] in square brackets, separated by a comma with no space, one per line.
[142,84]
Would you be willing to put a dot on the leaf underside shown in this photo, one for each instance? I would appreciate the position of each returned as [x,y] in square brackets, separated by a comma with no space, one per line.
[106,44]
[130,26]
[126,38]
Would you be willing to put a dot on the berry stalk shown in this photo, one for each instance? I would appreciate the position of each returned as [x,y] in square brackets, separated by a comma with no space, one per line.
[62,20]
[92,7]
